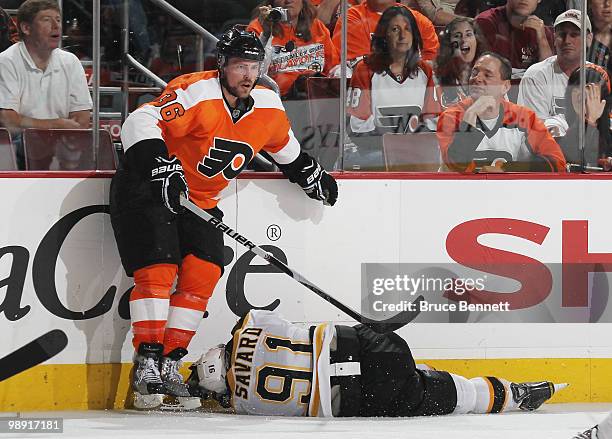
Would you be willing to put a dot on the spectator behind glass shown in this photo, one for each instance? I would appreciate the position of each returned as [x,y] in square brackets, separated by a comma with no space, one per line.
[597,139]
[543,86]
[361,23]
[487,133]
[298,48]
[515,33]
[549,10]
[601,16]
[41,86]
[461,44]
[392,80]
[439,12]
[471,8]
[8,31]
[329,10]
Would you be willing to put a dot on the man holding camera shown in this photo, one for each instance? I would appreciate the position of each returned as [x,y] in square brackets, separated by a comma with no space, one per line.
[297,43]
[194,139]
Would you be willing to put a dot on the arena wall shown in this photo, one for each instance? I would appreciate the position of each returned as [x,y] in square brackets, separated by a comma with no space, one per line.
[59,270]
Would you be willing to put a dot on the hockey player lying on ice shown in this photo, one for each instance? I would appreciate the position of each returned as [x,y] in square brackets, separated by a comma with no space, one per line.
[273,367]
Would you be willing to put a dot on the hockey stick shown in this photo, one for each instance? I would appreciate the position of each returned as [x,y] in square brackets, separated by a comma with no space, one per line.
[35,352]
[380,326]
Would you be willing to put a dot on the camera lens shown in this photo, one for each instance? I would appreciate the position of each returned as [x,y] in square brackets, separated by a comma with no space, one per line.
[275,15]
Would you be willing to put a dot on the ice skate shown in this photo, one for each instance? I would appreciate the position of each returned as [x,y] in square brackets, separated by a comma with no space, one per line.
[173,381]
[591,433]
[530,396]
[146,381]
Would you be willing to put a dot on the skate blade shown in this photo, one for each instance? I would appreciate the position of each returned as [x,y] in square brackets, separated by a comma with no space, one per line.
[180,403]
[147,402]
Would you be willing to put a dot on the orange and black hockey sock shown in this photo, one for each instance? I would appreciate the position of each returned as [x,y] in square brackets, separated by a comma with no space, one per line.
[149,302]
[196,282]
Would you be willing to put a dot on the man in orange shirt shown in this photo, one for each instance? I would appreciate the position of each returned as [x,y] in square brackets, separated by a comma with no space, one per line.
[196,137]
[488,133]
[361,23]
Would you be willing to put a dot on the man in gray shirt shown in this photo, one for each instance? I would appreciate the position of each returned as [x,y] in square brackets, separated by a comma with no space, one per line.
[542,88]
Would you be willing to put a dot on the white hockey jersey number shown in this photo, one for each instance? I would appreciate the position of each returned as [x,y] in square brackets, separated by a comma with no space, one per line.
[277,383]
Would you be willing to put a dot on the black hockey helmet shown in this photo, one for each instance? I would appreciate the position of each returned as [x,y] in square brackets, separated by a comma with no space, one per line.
[240,43]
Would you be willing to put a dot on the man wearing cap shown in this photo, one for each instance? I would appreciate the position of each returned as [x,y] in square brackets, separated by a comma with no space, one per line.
[543,86]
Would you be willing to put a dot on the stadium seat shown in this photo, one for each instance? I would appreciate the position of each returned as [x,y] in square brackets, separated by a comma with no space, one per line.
[8,162]
[418,152]
[67,150]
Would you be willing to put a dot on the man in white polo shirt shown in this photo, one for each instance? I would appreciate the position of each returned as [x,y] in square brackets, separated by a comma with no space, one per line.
[542,88]
[41,86]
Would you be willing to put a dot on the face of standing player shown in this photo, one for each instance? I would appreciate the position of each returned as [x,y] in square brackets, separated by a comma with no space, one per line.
[399,37]
[45,31]
[294,7]
[486,79]
[241,75]
[463,38]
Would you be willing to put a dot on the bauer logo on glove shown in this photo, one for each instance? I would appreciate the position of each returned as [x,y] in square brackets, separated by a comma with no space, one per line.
[314,180]
[166,168]
[168,182]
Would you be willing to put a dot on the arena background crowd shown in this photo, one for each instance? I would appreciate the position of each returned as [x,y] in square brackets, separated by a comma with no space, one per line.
[436,86]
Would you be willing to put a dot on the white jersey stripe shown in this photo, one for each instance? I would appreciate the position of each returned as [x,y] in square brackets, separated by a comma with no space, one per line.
[266,98]
[184,318]
[289,152]
[142,124]
[142,310]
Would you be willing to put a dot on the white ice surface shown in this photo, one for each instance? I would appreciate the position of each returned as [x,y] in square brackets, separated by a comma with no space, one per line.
[554,421]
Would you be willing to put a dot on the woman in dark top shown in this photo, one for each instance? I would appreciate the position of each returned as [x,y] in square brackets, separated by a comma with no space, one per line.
[460,45]
[597,139]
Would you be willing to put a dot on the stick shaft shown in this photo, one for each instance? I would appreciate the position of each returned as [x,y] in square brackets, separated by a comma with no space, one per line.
[271,259]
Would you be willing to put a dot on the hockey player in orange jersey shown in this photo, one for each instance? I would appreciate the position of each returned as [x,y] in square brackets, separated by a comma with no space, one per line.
[196,137]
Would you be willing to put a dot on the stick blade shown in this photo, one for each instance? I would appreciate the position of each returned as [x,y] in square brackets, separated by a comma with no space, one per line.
[33,353]
[397,321]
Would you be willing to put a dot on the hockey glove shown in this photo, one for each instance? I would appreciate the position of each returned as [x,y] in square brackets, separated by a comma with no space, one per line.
[149,158]
[312,178]
[168,182]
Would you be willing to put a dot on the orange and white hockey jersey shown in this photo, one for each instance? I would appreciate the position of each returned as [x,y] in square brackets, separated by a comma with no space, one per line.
[276,369]
[194,121]
[371,93]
